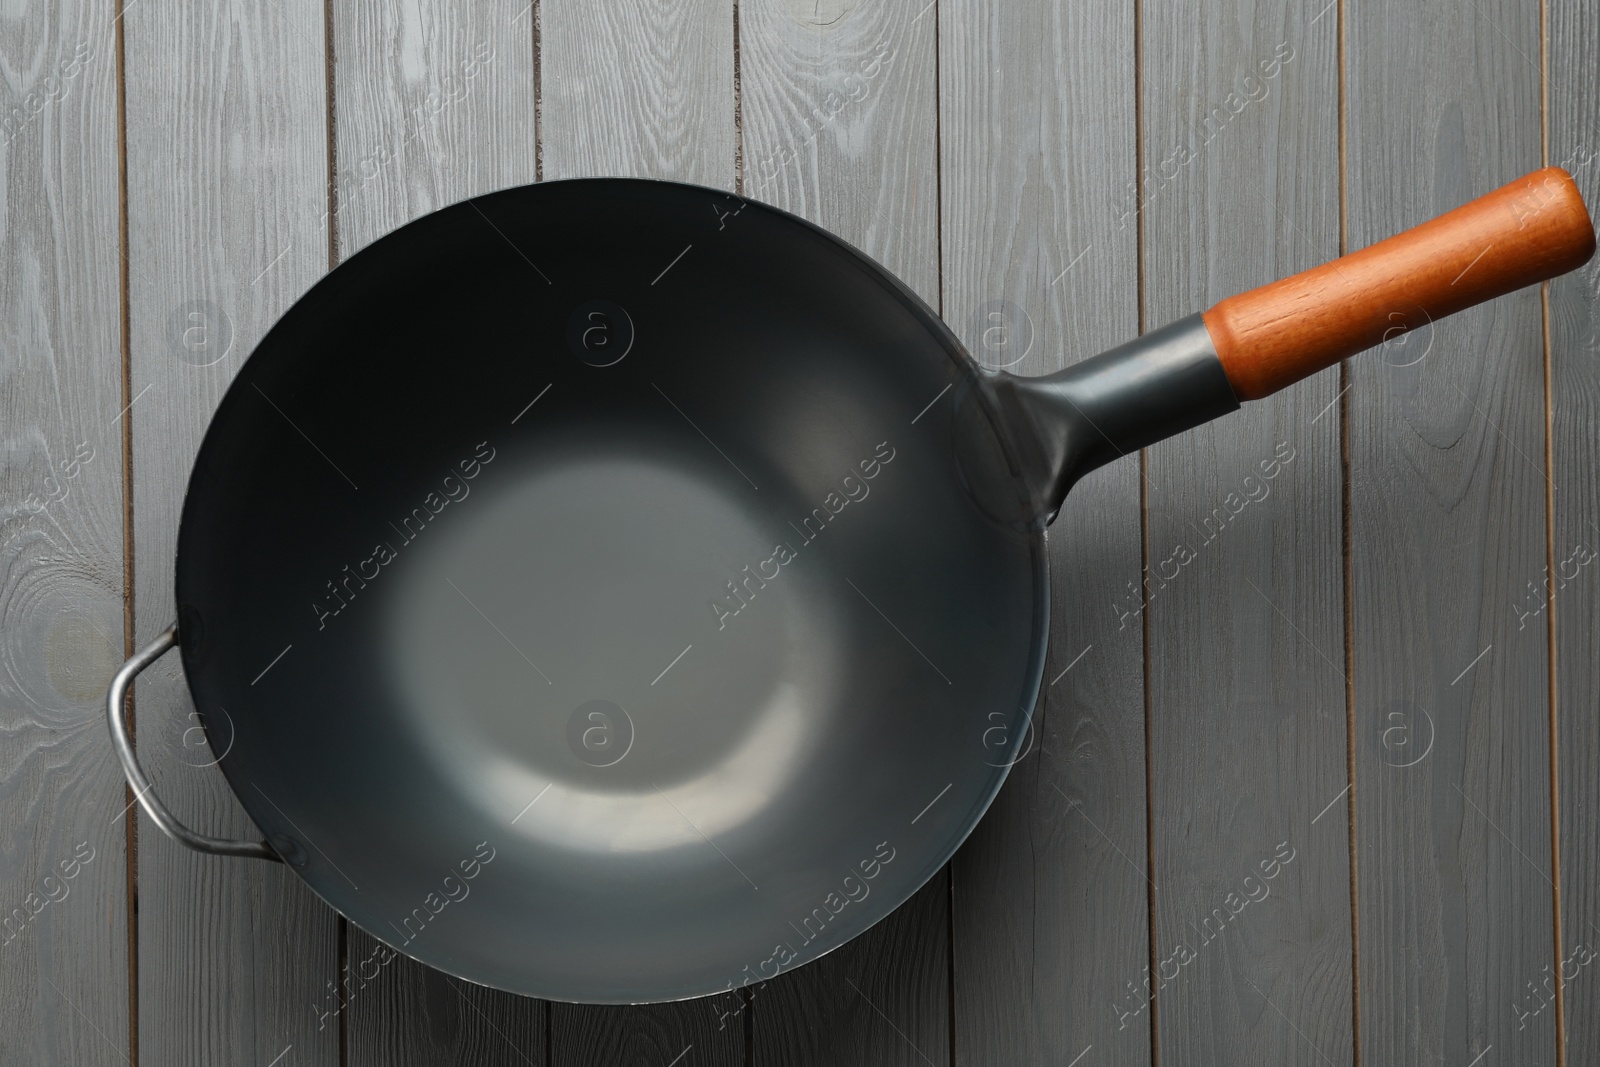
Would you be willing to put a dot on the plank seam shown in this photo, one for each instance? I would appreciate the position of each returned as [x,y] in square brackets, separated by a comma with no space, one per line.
[738,109]
[537,26]
[938,287]
[1144,537]
[1556,932]
[1346,380]
[333,136]
[341,928]
[747,998]
[536,33]
[130,814]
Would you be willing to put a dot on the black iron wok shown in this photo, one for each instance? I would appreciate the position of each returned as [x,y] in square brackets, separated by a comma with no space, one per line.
[621,591]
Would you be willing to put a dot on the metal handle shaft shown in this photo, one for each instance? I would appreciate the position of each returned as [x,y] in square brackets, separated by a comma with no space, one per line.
[116,718]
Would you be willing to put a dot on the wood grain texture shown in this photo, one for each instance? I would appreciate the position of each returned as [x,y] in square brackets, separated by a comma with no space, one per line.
[63,873]
[413,1014]
[881,1000]
[1050,898]
[433,103]
[1523,233]
[638,88]
[838,116]
[1447,491]
[1573,99]
[1247,687]
[1026,190]
[839,122]
[695,1032]
[227,186]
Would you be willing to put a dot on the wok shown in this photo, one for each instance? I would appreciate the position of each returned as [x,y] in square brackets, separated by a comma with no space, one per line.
[620,591]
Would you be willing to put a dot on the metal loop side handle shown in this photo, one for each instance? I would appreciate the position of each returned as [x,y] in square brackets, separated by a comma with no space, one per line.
[116,718]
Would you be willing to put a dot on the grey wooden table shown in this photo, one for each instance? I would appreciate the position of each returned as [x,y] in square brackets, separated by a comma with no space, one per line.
[1316,773]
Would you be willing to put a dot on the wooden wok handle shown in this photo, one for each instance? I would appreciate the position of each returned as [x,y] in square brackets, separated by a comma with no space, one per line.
[1526,232]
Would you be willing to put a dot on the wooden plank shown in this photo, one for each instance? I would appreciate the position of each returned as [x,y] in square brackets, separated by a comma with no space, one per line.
[1245,588]
[1050,900]
[710,1031]
[413,1014]
[646,89]
[1573,100]
[838,114]
[227,189]
[880,999]
[638,88]
[1448,493]
[434,102]
[839,119]
[63,862]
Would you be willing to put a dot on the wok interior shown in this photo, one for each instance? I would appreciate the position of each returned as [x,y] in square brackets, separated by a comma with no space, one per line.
[606,678]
